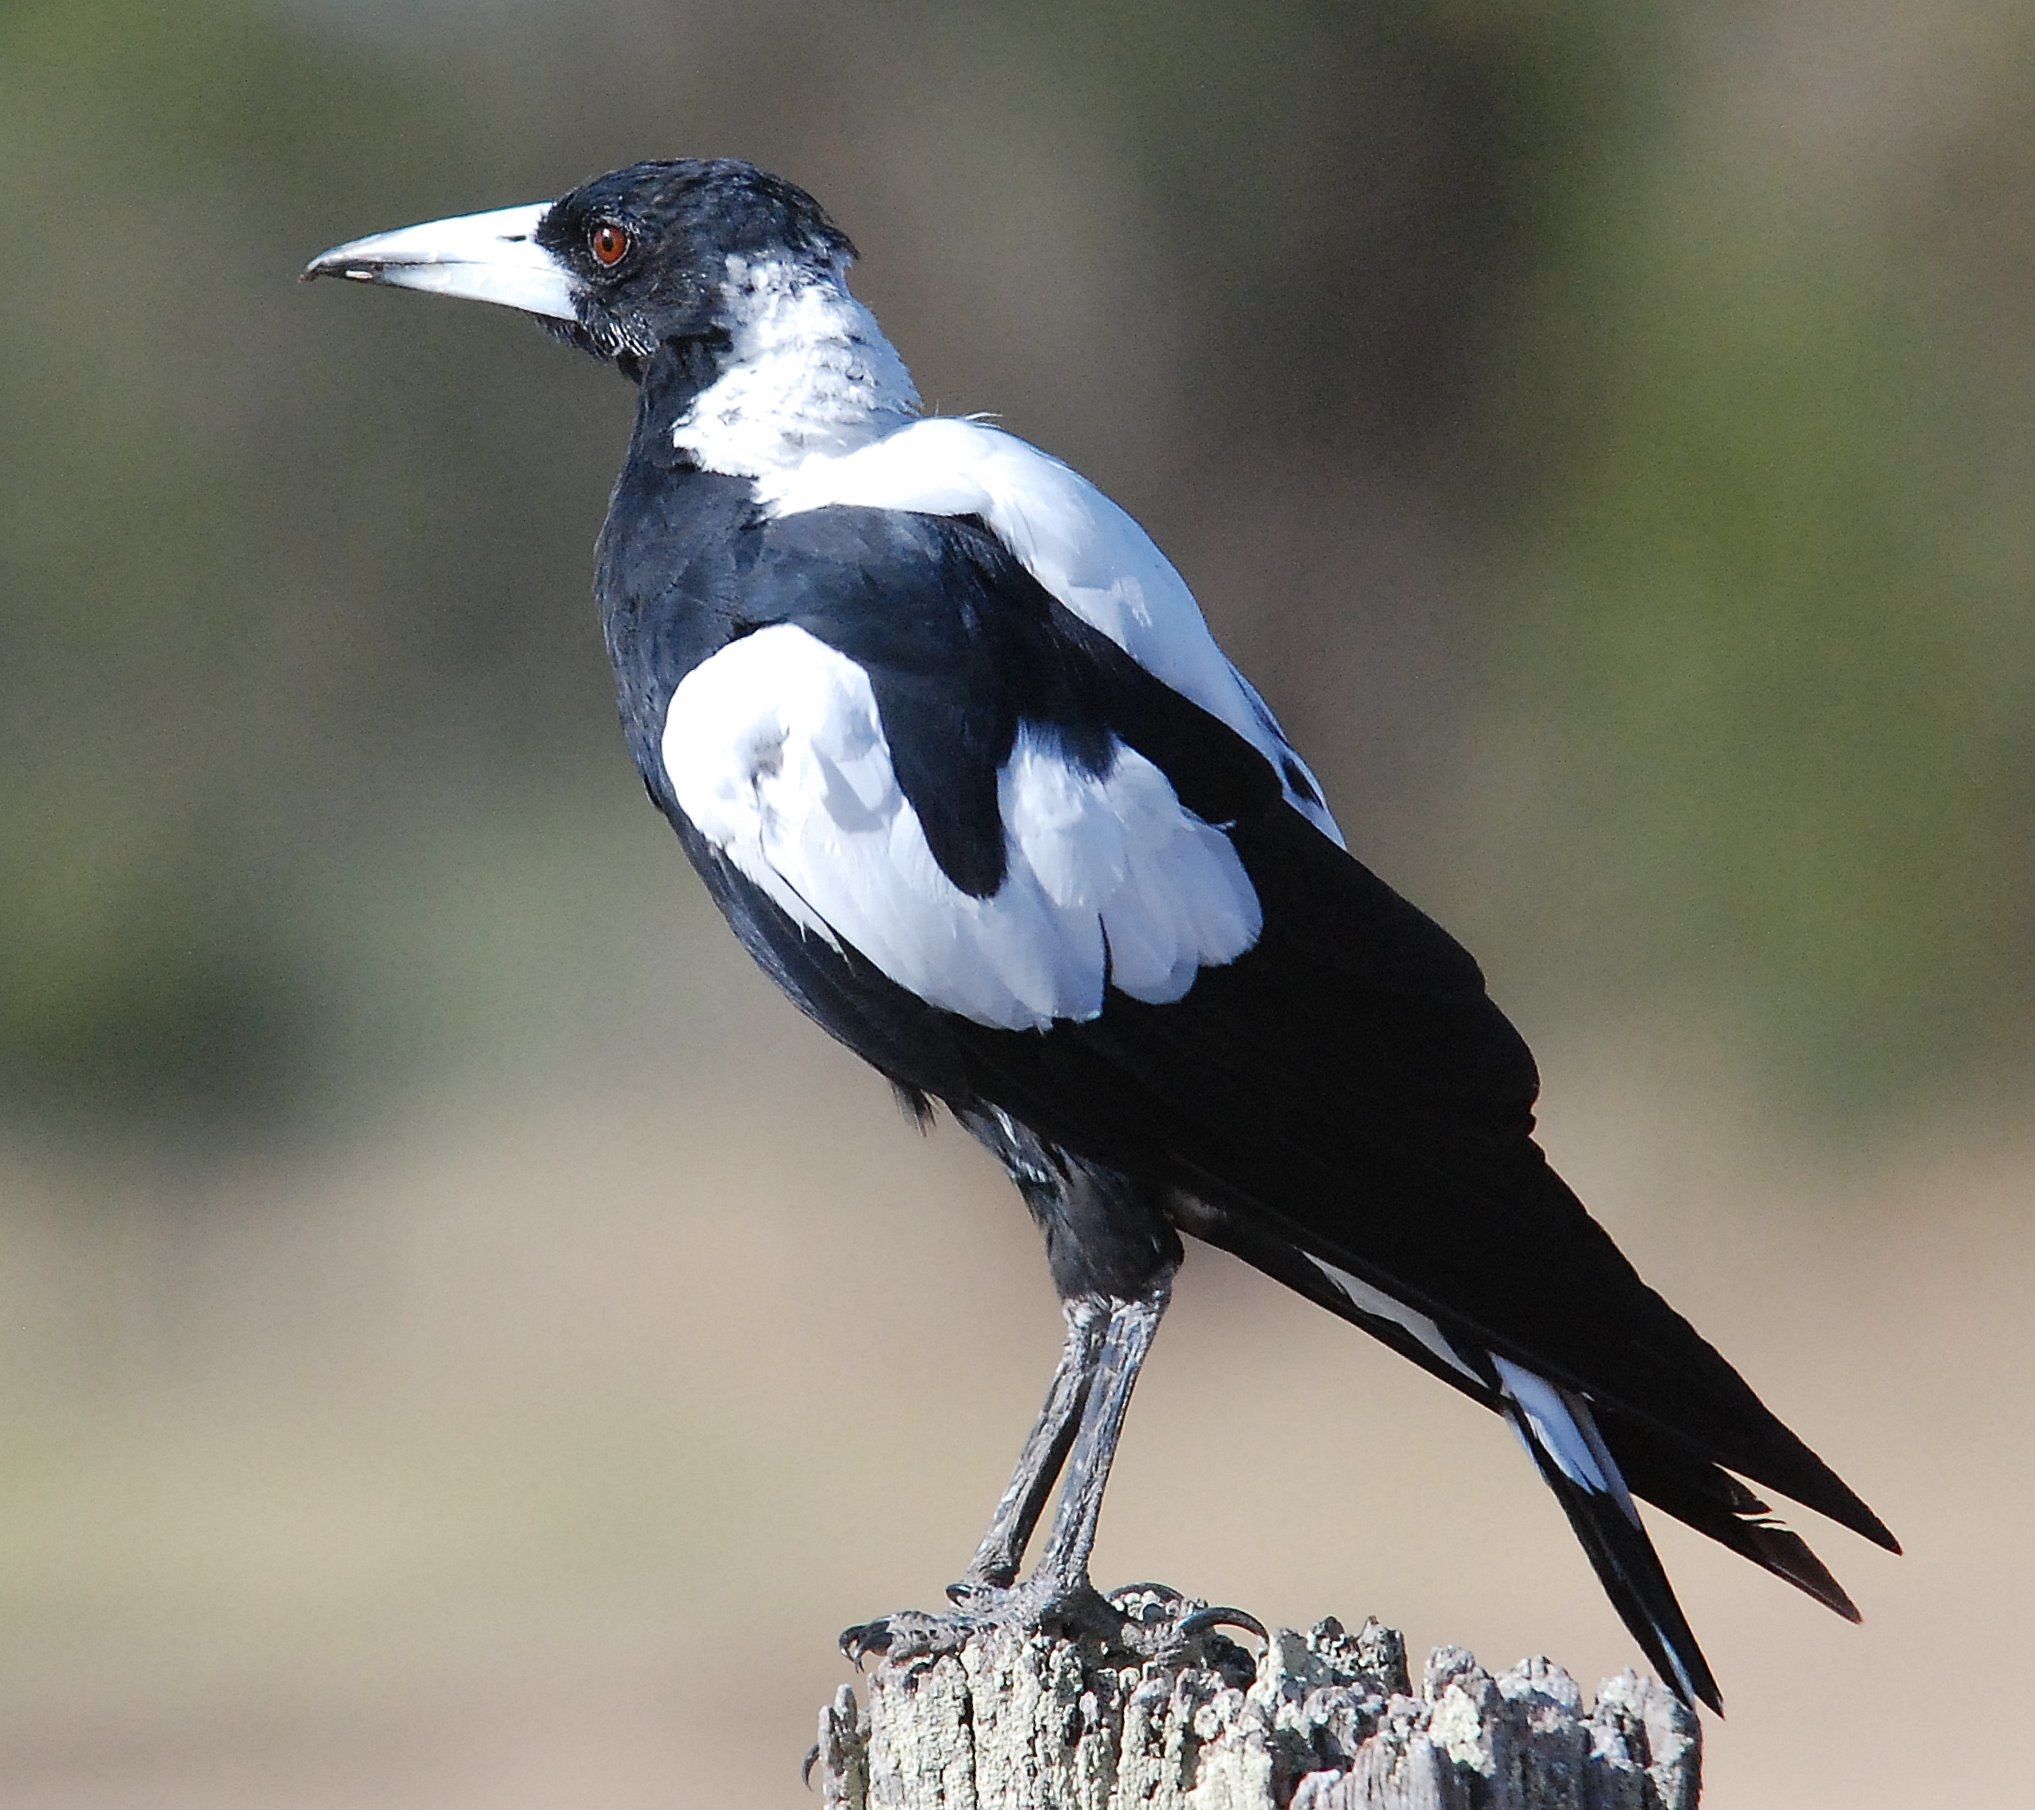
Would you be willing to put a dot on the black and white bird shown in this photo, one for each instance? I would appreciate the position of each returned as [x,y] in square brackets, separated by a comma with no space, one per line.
[955,753]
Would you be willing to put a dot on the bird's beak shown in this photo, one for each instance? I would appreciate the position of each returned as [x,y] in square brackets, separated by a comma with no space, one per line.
[491,257]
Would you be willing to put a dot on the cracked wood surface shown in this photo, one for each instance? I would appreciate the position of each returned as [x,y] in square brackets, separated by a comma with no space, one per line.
[1319,1721]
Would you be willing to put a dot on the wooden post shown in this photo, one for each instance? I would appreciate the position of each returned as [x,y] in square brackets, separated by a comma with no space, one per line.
[1318,1721]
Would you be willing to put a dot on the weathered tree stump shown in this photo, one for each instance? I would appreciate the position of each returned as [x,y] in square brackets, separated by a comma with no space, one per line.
[1321,1721]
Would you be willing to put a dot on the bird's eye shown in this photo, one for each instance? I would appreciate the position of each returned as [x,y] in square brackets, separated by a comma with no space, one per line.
[609,244]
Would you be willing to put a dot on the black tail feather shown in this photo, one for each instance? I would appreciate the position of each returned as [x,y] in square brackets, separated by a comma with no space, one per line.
[1667,1469]
[1632,1576]
[1714,1502]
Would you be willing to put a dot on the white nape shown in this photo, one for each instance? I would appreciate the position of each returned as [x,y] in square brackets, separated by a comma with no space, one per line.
[1085,550]
[776,753]
[808,371]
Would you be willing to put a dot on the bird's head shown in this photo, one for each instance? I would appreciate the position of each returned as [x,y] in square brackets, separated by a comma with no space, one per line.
[628,262]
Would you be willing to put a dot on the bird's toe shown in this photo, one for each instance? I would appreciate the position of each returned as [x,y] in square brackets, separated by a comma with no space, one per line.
[909,1634]
[1144,1621]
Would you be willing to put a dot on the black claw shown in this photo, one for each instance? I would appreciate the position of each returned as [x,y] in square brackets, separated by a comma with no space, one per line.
[805,1772]
[865,1638]
[1202,1620]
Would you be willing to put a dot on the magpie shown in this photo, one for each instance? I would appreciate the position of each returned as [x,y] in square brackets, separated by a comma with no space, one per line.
[951,746]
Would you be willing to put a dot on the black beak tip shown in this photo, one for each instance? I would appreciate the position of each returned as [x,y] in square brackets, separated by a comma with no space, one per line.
[328,266]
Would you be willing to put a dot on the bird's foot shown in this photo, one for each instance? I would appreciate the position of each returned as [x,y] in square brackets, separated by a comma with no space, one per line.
[1041,1604]
[1158,1623]
[1140,1622]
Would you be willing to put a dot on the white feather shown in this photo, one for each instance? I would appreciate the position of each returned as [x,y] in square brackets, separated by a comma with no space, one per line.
[808,371]
[775,751]
[1563,1426]
[1559,1421]
[1078,544]
[1361,1295]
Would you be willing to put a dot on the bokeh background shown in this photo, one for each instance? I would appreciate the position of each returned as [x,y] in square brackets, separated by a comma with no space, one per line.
[463,1342]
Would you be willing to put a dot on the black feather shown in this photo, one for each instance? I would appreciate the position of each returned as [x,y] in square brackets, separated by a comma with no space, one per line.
[1630,1571]
[1345,1090]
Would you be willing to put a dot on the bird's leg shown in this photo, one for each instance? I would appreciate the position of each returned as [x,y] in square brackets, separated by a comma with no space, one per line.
[1145,1619]
[1112,1250]
[996,1560]
[1061,1581]
[1098,1368]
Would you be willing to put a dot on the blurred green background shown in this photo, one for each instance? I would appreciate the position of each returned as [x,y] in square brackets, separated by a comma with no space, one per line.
[1607,435]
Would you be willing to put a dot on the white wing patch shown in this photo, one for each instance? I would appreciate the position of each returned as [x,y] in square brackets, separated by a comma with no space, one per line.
[775,751]
[1085,550]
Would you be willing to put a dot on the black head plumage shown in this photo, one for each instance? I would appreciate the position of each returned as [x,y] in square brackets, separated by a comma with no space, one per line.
[650,246]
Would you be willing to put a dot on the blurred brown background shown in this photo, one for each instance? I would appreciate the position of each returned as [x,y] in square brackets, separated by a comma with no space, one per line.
[458,1330]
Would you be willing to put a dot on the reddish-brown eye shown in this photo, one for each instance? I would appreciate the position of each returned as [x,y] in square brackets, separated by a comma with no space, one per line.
[610,244]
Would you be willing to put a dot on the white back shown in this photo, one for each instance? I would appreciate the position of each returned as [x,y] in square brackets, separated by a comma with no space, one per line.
[1078,544]
[816,406]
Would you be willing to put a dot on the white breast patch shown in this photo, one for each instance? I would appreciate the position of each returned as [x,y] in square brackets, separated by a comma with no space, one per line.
[776,753]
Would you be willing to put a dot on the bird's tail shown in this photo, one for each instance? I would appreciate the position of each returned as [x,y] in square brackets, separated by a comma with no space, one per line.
[1558,1429]
[1712,1501]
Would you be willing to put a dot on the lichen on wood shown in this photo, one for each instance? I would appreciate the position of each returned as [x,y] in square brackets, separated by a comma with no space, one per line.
[1019,1720]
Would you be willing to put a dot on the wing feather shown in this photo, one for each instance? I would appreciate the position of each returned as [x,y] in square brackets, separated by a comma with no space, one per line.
[1087,551]
[775,749]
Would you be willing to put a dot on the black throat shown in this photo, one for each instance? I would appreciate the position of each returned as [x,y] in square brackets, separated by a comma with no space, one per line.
[670,556]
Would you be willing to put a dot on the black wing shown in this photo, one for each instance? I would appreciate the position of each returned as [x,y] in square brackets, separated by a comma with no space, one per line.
[1344,1091]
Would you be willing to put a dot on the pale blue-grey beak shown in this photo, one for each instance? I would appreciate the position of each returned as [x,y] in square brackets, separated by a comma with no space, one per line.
[492,257]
